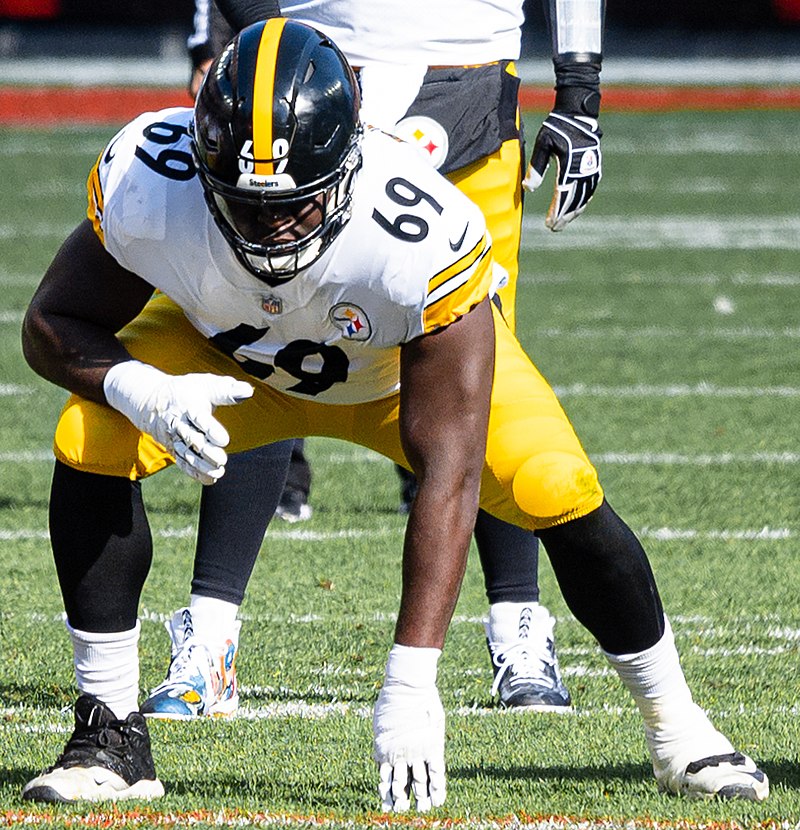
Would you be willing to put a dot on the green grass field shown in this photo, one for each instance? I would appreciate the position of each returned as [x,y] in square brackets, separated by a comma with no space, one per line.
[667,319]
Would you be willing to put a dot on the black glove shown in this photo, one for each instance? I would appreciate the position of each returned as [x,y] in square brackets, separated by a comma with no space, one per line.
[574,141]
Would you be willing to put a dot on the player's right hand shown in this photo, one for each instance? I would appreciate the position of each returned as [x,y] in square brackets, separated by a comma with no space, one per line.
[408,727]
[177,410]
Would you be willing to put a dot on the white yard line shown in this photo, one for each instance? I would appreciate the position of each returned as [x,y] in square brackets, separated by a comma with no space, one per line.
[622,458]
[642,278]
[780,233]
[692,460]
[678,390]
[641,232]
[170,71]
[726,333]
[37,230]
[40,720]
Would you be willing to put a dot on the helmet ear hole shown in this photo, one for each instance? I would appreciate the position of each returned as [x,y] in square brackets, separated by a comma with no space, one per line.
[258,160]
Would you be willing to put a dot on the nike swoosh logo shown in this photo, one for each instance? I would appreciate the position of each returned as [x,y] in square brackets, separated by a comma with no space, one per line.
[454,246]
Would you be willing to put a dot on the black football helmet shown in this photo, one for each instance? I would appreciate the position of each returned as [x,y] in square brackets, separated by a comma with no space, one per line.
[276,141]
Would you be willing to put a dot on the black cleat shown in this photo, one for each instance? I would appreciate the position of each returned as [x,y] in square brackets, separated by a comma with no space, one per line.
[106,759]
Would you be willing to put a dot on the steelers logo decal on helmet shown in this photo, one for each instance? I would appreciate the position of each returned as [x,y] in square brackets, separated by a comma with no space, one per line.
[427,135]
[276,141]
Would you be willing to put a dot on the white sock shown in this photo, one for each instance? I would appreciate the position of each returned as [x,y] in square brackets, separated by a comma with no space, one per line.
[503,625]
[655,679]
[213,619]
[107,667]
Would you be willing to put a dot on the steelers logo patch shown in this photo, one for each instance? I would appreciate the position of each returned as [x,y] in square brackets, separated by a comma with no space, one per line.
[427,135]
[589,163]
[351,320]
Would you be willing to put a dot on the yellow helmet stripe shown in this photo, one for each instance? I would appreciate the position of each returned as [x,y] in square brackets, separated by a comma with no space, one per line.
[263,93]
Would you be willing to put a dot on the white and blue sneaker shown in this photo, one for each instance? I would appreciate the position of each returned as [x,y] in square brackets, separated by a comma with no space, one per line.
[201,679]
[521,645]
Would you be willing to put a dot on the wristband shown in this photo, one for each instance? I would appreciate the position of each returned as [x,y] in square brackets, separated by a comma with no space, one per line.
[578,84]
[122,373]
[412,666]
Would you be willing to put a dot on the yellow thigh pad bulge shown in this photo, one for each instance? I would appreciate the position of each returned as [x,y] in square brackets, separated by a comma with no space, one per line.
[541,462]
[556,485]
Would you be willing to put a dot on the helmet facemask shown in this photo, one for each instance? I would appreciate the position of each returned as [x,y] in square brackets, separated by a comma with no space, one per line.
[276,142]
[275,229]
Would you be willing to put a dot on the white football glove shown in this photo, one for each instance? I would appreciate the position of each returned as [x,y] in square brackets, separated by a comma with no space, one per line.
[408,726]
[574,141]
[177,411]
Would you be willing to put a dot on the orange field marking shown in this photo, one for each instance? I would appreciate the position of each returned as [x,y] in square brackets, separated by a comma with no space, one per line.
[118,818]
[47,106]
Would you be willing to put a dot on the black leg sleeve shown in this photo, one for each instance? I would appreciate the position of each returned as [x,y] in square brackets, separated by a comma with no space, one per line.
[509,558]
[299,476]
[102,548]
[606,580]
[234,514]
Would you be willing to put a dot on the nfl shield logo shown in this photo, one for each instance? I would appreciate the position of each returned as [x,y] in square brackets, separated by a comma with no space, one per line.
[272,305]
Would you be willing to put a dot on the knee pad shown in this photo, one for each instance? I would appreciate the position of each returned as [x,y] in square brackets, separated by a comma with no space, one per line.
[556,486]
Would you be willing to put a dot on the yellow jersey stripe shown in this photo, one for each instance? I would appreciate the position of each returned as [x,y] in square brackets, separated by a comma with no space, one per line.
[94,210]
[264,91]
[457,267]
[462,292]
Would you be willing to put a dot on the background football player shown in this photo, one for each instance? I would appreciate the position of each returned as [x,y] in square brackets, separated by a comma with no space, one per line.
[285,197]
[464,113]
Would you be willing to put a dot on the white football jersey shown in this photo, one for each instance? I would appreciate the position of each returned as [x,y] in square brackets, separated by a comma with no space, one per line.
[414,256]
[428,32]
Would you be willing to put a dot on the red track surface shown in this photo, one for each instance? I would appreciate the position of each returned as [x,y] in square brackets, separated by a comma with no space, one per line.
[46,106]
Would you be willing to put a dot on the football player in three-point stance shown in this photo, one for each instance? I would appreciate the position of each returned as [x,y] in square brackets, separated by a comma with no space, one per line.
[316,280]
[463,115]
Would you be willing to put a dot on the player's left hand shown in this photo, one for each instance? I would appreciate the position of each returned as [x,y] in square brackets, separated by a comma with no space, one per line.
[574,141]
[408,727]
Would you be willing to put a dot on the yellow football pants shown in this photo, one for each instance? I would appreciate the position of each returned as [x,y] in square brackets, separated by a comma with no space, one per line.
[494,185]
[536,475]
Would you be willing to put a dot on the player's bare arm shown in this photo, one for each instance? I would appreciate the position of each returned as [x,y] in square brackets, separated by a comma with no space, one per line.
[85,297]
[446,380]
[69,338]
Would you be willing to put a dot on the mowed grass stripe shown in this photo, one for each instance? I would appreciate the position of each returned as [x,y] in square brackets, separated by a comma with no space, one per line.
[623,457]
[320,610]
[640,232]
[746,332]
[770,534]
[691,626]
[661,137]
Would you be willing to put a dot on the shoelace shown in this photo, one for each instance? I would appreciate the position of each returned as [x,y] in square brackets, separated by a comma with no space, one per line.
[184,667]
[526,662]
[112,738]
